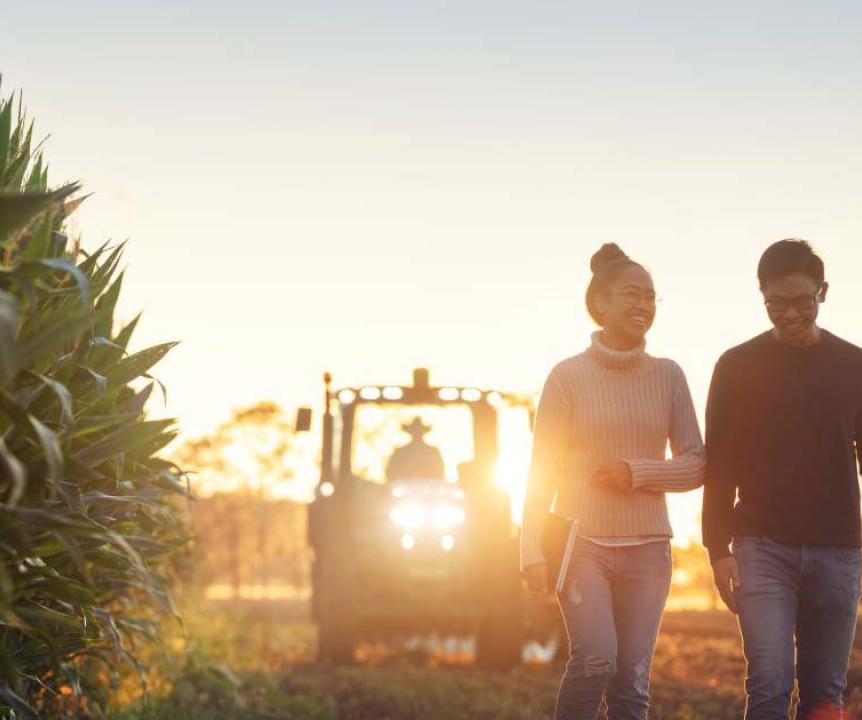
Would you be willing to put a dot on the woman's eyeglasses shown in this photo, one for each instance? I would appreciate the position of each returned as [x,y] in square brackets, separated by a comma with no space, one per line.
[632,297]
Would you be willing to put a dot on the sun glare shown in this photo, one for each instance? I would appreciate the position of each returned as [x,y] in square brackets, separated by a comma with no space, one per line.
[513,463]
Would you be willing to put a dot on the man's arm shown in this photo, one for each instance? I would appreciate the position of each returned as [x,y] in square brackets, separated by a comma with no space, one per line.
[719,492]
[858,439]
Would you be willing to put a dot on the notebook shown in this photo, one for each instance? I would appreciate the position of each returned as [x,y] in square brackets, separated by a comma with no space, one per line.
[558,539]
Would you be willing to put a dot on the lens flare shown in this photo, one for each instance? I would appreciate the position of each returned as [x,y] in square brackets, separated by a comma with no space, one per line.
[447,516]
[410,516]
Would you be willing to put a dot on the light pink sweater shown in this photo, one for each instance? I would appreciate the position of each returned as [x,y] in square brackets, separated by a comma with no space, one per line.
[603,406]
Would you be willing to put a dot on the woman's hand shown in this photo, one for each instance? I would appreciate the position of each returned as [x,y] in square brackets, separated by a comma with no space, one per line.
[615,476]
[536,576]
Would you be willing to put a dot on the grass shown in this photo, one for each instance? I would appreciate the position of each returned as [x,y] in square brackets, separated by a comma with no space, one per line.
[254,661]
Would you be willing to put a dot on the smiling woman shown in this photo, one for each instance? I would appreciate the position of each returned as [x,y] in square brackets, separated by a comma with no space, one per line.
[620,297]
[602,428]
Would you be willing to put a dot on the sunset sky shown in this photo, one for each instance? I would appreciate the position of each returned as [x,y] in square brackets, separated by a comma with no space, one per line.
[363,187]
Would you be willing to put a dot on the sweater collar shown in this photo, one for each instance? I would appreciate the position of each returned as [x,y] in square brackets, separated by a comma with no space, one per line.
[616,359]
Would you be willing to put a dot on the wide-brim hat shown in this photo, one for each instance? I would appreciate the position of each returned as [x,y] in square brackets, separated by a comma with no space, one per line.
[415,426]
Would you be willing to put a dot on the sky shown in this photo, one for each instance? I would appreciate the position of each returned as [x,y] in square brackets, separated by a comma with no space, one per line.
[365,187]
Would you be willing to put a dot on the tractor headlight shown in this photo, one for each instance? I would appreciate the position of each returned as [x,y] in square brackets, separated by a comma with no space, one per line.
[445,517]
[414,516]
[409,516]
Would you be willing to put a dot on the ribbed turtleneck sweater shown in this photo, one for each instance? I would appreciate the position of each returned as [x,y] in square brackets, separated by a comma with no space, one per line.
[603,406]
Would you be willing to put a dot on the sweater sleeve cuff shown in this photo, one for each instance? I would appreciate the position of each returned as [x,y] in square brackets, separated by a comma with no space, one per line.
[640,470]
[678,475]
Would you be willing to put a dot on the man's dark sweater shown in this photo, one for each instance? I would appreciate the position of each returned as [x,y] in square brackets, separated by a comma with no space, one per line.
[783,427]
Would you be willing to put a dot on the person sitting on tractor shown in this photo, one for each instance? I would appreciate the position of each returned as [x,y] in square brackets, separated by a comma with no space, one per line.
[417,460]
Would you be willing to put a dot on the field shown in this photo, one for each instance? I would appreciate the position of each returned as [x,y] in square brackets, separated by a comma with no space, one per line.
[253,660]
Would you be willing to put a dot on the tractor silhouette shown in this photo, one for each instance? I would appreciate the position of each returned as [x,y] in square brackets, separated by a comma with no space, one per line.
[398,547]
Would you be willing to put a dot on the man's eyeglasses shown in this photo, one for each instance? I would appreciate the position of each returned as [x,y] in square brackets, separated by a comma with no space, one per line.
[800,303]
[632,297]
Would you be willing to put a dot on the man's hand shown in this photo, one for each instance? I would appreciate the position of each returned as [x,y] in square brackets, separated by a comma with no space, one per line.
[615,476]
[536,576]
[727,579]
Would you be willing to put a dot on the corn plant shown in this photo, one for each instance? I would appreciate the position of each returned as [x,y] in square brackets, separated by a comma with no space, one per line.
[89,516]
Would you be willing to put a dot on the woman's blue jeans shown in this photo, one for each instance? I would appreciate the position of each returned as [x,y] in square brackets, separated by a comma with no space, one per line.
[802,600]
[612,606]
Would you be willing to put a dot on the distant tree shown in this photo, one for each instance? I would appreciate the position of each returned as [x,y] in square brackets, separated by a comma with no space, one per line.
[252,451]
[243,539]
[246,529]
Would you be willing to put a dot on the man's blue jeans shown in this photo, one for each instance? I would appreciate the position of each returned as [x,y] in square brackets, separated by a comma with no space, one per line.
[805,593]
[612,606]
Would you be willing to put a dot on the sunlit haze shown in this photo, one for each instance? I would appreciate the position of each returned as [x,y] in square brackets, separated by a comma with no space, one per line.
[369,187]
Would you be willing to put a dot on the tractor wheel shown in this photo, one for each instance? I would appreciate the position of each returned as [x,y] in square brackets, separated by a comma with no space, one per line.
[499,645]
[336,634]
[499,641]
[333,603]
[336,640]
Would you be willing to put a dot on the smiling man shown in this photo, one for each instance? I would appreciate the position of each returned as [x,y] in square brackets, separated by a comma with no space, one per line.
[783,429]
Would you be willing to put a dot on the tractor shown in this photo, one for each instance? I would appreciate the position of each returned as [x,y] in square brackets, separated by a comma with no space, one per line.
[404,544]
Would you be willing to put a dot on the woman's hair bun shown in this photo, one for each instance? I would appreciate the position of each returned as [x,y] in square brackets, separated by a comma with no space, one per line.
[607,254]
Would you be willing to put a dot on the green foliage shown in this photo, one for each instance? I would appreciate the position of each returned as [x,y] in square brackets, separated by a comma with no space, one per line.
[697,674]
[87,510]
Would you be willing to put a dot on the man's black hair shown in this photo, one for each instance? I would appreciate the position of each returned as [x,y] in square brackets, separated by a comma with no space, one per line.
[789,257]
